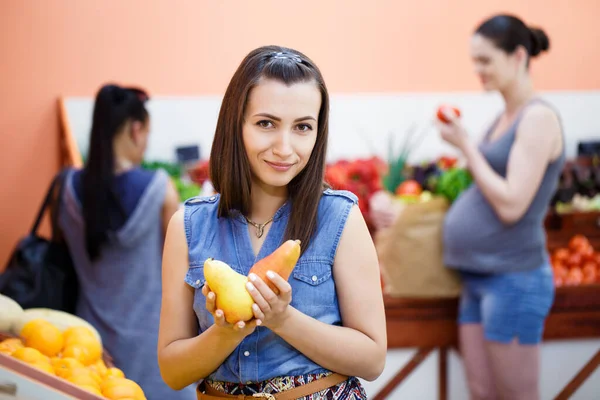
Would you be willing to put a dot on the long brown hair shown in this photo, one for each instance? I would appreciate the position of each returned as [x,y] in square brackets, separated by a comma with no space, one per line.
[229,166]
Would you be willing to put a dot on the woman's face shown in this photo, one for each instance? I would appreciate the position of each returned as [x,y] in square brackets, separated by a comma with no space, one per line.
[280,130]
[140,132]
[495,68]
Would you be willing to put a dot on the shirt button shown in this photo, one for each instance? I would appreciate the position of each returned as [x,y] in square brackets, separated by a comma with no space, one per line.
[248,382]
[314,278]
[246,353]
[198,282]
[212,198]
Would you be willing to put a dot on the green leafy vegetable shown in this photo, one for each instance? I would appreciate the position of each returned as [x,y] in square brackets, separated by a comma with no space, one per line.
[453,182]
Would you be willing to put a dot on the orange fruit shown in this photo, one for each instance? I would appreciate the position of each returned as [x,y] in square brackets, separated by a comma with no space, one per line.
[30,355]
[83,371]
[43,336]
[119,388]
[32,325]
[64,366]
[99,367]
[44,366]
[79,353]
[86,349]
[8,346]
[83,379]
[113,373]
[74,332]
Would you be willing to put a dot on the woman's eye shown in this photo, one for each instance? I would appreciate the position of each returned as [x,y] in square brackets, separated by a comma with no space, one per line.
[304,127]
[265,124]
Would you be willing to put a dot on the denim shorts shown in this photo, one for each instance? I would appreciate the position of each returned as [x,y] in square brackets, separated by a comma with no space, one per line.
[511,305]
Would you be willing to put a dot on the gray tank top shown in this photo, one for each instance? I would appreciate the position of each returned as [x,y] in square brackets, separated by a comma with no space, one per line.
[476,240]
[120,293]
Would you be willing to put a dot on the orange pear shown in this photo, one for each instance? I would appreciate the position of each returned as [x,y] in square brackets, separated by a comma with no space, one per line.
[282,261]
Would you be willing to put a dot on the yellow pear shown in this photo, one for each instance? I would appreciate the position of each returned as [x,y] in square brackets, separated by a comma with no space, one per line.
[230,288]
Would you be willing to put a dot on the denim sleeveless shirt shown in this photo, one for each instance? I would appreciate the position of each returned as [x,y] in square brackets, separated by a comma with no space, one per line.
[263,355]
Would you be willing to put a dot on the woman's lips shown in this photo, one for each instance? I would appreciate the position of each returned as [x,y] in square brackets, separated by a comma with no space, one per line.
[277,166]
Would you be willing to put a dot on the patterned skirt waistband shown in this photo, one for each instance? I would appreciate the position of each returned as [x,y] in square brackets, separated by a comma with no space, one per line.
[350,389]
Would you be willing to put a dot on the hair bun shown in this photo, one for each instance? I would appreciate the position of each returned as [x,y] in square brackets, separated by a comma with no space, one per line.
[118,94]
[539,41]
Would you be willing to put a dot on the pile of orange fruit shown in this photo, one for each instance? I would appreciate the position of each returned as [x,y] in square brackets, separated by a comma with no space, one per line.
[75,355]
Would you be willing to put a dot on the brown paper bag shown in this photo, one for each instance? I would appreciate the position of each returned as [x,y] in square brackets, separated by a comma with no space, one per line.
[410,253]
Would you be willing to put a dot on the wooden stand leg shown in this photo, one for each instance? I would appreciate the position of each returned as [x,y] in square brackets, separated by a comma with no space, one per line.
[443,373]
[581,377]
[408,368]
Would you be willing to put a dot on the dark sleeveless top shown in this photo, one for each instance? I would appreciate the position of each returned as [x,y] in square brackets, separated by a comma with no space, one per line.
[476,240]
[120,293]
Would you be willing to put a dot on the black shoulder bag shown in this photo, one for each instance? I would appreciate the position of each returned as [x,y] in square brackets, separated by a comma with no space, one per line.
[40,271]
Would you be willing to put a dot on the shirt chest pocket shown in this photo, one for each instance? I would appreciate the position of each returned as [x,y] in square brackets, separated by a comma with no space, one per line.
[313,284]
[195,277]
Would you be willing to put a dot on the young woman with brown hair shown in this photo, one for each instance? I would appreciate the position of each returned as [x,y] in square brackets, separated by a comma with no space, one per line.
[327,324]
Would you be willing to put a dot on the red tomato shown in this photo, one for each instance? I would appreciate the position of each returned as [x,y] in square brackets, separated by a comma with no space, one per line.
[561,254]
[442,117]
[446,162]
[560,271]
[558,281]
[587,253]
[574,260]
[409,188]
[575,277]
[590,272]
[578,242]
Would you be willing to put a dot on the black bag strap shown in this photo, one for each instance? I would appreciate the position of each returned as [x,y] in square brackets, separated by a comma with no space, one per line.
[62,181]
[58,180]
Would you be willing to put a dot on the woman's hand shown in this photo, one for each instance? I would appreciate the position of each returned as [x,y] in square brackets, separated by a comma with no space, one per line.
[382,210]
[241,327]
[453,132]
[270,308]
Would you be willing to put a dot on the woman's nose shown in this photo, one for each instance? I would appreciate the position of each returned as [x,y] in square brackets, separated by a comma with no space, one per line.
[283,145]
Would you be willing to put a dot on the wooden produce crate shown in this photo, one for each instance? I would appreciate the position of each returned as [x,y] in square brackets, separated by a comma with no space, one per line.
[15,372]
[561,227]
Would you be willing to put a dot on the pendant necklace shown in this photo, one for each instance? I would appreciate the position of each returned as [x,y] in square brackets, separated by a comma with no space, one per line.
[260,228]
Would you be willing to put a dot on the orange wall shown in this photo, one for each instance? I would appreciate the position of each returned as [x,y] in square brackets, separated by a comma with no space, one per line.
[175,47]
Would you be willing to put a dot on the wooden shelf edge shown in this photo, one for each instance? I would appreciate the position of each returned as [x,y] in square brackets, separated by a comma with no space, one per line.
[71,155]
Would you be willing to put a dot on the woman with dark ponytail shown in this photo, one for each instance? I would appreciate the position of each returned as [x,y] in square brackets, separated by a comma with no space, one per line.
[494,233]
[114,216]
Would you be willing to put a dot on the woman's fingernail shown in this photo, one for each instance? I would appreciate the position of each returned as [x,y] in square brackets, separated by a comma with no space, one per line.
[219,313]
[258,322]
[270,274]
[211,295]
[249,286]
[241,324]
[252,277]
